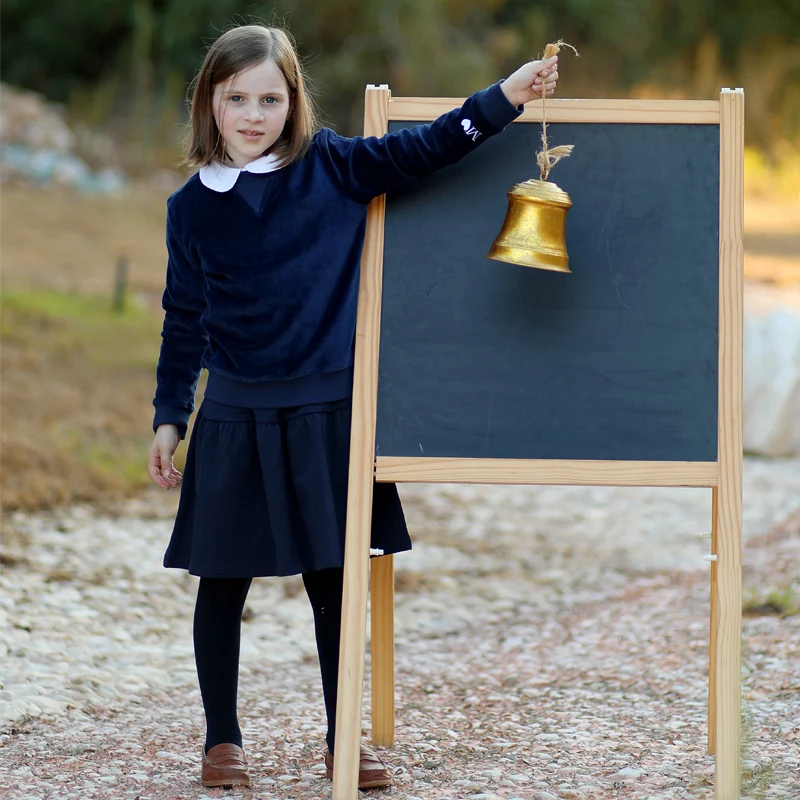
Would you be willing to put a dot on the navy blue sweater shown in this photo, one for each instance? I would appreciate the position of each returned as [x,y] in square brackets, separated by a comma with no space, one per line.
[268,298]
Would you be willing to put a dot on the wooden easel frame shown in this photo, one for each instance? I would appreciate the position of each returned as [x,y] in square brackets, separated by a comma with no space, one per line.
[724,475]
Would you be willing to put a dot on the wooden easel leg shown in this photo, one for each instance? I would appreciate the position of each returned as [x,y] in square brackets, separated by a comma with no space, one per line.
[382,623]
[712,643]
[727,729]
[353,646]
[361,479]
[728,649]
[728,641]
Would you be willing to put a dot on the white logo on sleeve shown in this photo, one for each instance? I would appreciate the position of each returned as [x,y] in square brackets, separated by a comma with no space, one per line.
[473,133]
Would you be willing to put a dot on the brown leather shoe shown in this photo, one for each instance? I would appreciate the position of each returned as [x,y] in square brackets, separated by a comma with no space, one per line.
[225,765]
[372,772]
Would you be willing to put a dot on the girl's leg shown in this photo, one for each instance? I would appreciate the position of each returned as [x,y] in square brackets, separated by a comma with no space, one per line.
[324,589]
[217,631]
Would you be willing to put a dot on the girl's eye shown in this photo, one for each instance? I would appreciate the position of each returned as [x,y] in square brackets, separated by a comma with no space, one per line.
[235,98]
[270,100]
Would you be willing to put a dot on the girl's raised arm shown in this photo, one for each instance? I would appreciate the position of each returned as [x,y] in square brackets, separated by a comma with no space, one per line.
[371,166]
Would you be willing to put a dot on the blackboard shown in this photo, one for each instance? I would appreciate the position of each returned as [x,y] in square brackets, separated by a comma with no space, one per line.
[627,372]
[616,361]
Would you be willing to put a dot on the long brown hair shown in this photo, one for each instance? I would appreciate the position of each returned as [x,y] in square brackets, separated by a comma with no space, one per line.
[235,51]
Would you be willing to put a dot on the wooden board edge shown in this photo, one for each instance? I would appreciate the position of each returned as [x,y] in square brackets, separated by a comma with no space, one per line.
[699,112]
[360,479]
[729,493]
[546,472]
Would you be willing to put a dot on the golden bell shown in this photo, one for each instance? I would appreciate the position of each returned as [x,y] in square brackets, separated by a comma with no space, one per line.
[533,230]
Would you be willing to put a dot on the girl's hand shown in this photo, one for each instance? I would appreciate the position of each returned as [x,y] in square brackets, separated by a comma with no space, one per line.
[159,460]
[528,82]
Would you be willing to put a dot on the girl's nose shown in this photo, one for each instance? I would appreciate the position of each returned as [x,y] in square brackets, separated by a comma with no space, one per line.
[254,112]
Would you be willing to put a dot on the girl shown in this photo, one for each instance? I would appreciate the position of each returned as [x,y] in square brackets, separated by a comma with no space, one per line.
[264,244]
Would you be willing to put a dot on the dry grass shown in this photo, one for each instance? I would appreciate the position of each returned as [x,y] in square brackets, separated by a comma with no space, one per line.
[772,241]
[54,239]
[77,379]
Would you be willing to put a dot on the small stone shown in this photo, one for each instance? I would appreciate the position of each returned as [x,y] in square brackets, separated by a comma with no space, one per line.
[626,774]
[750,768]
[22,772]
[547,737]
[544,796]
[519,778]
[494,774]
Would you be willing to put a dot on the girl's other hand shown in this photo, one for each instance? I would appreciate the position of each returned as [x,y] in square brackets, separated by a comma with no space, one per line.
[528,82]
[159,460]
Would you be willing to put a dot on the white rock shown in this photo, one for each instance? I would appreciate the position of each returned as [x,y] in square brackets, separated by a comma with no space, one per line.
[771,384]
[750,767]
[626,774]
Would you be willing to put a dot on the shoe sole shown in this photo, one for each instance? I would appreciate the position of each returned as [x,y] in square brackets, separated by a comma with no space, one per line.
[224,784]
[376,784]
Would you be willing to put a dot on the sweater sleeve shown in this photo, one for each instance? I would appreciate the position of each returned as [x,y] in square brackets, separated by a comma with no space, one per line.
[370,166]
[183,339]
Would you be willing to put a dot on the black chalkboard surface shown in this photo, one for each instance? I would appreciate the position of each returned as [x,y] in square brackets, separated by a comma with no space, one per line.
[616,361]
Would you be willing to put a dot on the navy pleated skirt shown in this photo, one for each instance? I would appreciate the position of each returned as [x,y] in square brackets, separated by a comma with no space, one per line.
[265,493]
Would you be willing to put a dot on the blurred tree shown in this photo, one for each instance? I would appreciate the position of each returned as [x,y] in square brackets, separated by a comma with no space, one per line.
[135,58]
[55,47]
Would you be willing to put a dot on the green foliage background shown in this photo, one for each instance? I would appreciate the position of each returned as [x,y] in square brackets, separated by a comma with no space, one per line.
[128,62]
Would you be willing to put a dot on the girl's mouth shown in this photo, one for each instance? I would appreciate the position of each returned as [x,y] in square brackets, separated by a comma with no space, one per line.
[248,134]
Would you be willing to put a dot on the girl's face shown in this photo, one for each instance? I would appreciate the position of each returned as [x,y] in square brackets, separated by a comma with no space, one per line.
[251,109]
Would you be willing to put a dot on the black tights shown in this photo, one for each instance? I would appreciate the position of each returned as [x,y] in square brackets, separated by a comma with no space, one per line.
[217,632]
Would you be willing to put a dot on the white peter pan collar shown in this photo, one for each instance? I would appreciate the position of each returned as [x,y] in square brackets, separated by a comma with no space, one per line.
[221,178]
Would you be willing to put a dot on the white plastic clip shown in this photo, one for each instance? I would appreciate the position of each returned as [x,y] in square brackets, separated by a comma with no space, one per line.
[704,533]
[712,557]
[375,551]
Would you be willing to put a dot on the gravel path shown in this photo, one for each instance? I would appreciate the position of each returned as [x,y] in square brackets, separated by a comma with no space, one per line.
[552,642]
